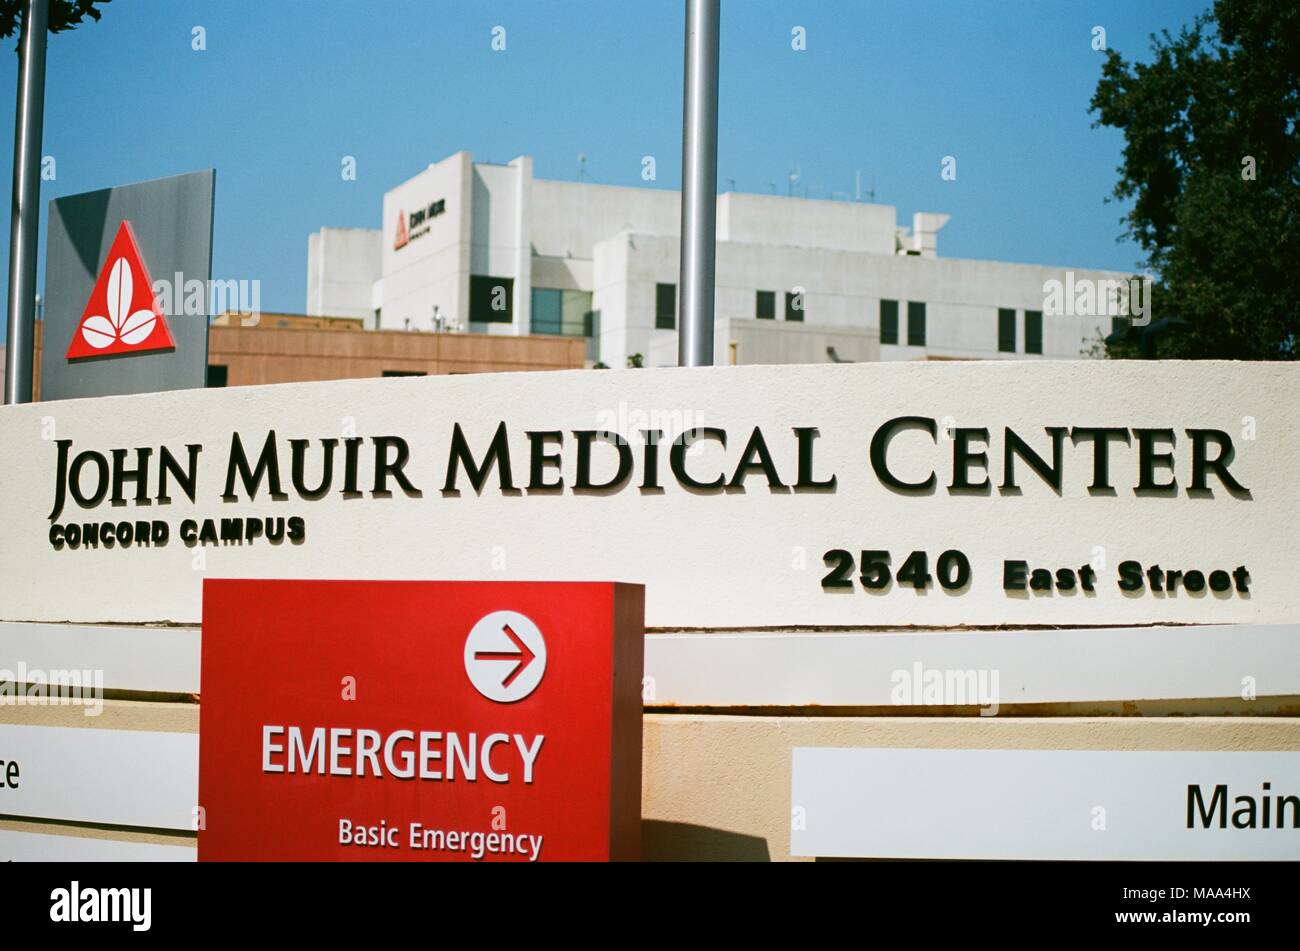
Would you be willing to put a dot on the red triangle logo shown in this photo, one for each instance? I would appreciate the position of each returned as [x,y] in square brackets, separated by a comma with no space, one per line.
[122,315]
[402,234]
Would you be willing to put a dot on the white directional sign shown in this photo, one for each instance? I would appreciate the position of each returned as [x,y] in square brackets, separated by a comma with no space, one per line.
[1045,804]
[505,656]
[37,847]
[136,778]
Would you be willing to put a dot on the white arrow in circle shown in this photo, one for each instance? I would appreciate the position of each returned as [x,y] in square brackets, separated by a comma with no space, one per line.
[505,656]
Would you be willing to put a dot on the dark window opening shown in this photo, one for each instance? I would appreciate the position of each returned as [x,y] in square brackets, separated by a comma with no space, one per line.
[915,323]
[217,375]
[1033,331]
[491,299]
[794,305]
[1006,330]
[889,321]
[765,305]
[665,306]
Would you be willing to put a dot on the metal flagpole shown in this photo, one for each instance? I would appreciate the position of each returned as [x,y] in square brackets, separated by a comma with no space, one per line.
[699,183]
[25,212]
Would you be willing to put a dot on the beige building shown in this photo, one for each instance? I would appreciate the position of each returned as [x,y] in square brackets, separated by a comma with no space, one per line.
[292,348]
[295,348]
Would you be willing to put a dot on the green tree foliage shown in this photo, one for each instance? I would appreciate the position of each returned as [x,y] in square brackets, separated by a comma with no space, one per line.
[64,14]
[1212,167]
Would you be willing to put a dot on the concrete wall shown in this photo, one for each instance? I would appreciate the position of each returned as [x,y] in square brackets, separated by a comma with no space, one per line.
[627,267]
[432,269]
[718,787]
[716,782]
[748,342]
[758,342]
[803,223]
[840,289]
[500,242]
[762,544]
[343,265]
[568,219]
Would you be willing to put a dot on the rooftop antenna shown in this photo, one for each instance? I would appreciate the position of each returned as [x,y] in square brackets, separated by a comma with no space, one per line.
[733,184]
[857,189]
[582,165]
[793,178]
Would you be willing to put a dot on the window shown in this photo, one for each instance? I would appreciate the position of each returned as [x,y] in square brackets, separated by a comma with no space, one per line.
[889,321]
[765,305]
[794,305]
[915,323]
[1033,331]
[561,312]
[545,317]
[1006,330]
[405,373]
[491,299]
[593,335]
[216,375]
[665,306]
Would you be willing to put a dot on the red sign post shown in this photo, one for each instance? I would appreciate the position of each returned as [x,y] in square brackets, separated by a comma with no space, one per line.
[420,721]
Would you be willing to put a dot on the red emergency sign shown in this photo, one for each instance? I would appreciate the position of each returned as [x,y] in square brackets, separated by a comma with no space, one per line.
[420,721]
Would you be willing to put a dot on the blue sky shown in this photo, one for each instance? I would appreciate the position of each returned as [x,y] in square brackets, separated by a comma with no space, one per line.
[285,90]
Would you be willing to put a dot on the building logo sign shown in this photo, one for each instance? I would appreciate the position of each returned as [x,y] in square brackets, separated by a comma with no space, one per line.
[416,224]
[1034,508]
[122,315]
[403,236]
[507,657]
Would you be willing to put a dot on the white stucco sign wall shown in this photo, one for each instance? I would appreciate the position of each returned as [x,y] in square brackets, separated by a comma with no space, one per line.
[1066,493]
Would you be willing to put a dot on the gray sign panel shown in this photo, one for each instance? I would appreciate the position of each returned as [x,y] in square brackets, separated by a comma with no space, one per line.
[172,222]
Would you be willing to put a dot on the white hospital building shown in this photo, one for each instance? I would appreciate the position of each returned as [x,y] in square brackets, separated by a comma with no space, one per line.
[484,248]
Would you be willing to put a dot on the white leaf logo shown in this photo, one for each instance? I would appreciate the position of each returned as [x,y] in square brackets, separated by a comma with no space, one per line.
[99,333]
[119,325]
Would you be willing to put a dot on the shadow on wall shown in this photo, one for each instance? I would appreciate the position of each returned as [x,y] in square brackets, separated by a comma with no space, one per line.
[683,842]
